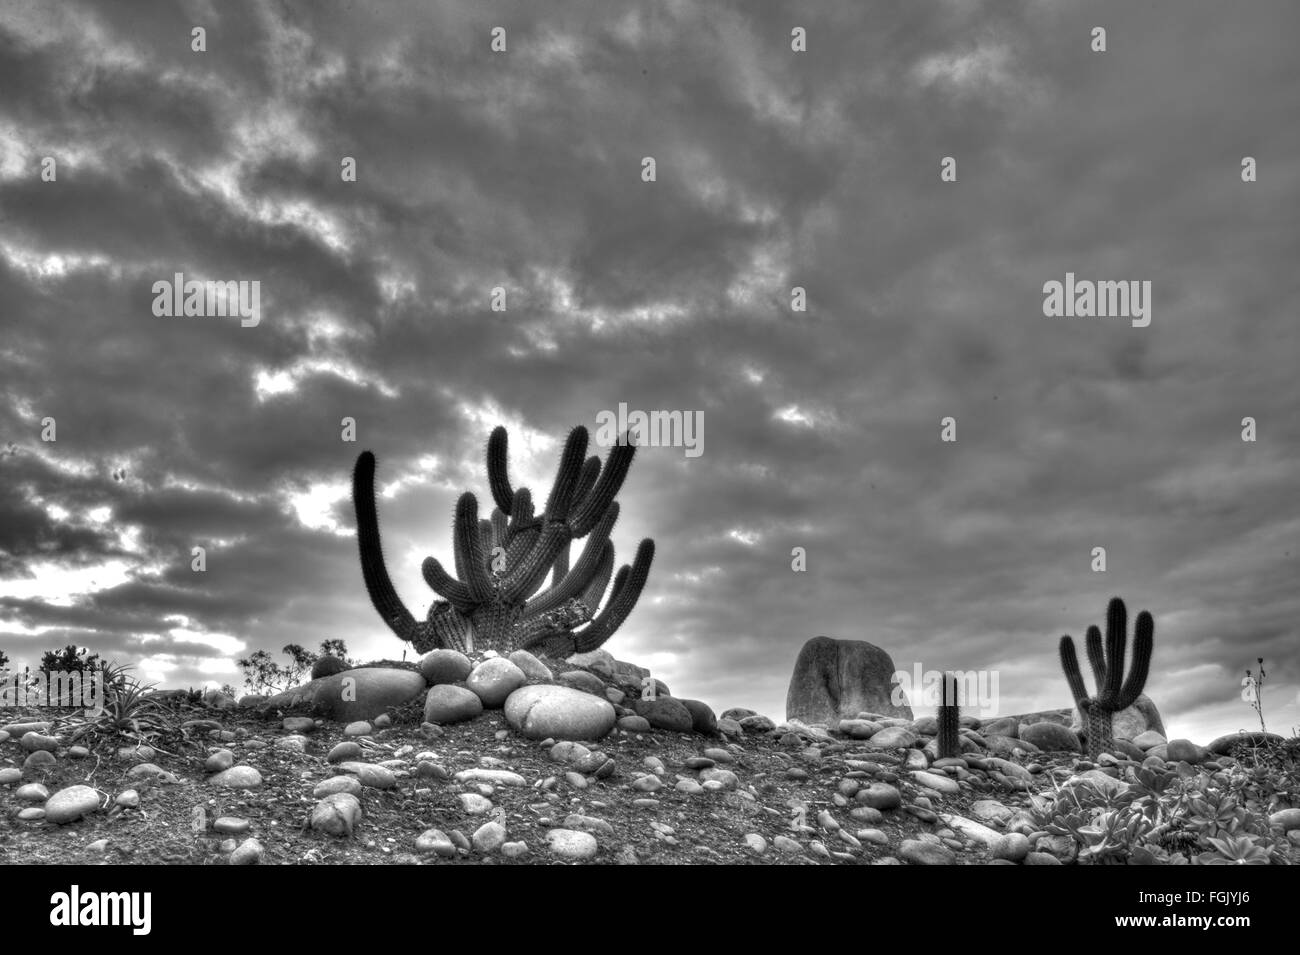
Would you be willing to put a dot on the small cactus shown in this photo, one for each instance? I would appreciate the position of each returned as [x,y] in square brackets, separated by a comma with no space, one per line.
[949,742]
[1108,667]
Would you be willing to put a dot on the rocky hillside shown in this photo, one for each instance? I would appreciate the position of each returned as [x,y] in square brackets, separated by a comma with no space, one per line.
[275,785]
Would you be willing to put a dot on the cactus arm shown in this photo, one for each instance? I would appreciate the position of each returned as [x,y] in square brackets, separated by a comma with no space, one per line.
[620,581]
[586,481]
[577,578]
[500,529]
[620,603]
[524,579]
[446,586]
[1096,656]
[591,507]
[378,584]
[560,569]
[600,580]
[471,564]
[1143,639]
[1073,676]
[566,477]
[521,514]
[1116,636]
[498,476]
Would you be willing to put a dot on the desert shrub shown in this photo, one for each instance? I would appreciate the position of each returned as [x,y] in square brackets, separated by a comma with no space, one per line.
[130,713]
[71,659]
[263,675]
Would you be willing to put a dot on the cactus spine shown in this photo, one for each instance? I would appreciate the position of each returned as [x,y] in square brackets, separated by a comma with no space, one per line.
[496,600]
[949,742]
[1107,662]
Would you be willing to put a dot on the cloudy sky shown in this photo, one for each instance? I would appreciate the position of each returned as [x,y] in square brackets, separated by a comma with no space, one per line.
[522,170]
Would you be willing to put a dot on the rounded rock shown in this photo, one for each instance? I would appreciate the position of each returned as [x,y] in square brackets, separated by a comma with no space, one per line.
[39,760]
[916,852]
[559,712]
[238,777]
[1013,847]
[488,838]
[435,841]
[451,704]
[370,775]
[345,751]
[32,792]
[1051,737]
[582,680]
[32,742]
[219,761]
[703,720]
[444,666]
[337,784]
[70,804]
[494,680]
[249,853]
[571,844]
[665,713]
[880,796]
[337,814]
[1288,820]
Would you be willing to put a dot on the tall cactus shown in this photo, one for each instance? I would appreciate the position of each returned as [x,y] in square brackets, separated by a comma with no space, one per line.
[1108,669]
[495,601]
[949,742]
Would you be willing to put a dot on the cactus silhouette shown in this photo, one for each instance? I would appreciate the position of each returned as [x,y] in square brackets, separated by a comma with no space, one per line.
[495,600]
[1108,668]
[949,741]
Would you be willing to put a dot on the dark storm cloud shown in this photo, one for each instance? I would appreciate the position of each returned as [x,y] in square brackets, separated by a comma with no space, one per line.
[775,169]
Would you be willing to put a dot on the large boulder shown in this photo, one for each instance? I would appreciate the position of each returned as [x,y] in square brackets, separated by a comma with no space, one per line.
[703,719]
[1224,745]
[1062,716]
[836,680]
[1051,737]
[600,662]
[353,694]
[665,714]
[1130,722]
